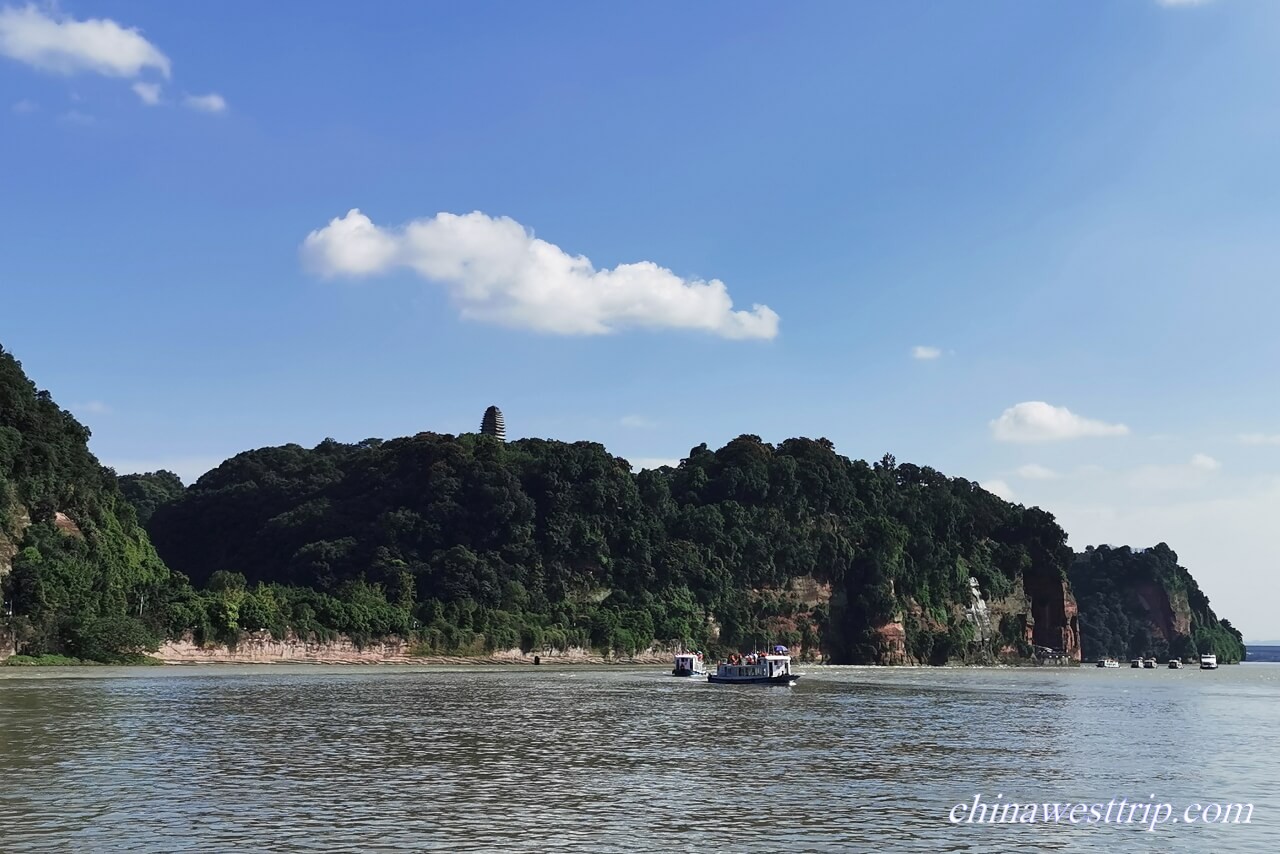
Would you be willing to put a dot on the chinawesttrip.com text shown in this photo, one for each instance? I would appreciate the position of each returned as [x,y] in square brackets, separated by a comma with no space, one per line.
[1119,811]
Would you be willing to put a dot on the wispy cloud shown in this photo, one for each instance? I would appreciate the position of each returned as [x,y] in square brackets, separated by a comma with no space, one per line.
[1035,471]
[24,106]
[637,421]
[1204,462]
[92,407]
[211,103]
[920,351]
[1037,421]
[62,45]
[1000,489]
[148,92]
[1260,439]
[1193,474]
[75,117]
[498,272]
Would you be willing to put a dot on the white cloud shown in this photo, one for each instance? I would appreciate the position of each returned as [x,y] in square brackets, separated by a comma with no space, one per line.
[24,106]
[148,92]
[211,103]
[653,463]
[1260,439]
[1035,471]
[922,352]
[1037,421]
[76,117]
[637,421]
[1000,489]
[498,272]
[1204,462]
[92,407]
[64,45]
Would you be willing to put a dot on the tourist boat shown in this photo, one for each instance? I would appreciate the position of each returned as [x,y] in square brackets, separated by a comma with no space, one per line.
[1150,664]
[688,664]
[1136,663]
[1175,664]
[1209,662]
[756,668]
[1108,662]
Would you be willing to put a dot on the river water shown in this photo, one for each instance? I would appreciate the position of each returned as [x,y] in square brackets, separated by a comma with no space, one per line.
[540,759]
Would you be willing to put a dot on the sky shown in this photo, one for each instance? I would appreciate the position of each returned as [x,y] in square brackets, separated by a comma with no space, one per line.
[1029,244]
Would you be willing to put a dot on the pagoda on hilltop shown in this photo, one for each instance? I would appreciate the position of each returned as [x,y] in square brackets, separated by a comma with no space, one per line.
[493,425]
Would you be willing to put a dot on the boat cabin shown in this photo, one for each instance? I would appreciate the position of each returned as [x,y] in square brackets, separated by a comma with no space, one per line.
[688,664]
[756,668]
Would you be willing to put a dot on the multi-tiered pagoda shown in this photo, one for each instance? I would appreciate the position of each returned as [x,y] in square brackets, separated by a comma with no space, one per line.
[492,424]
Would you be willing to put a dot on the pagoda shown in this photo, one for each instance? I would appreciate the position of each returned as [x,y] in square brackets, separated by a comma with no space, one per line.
[492,424]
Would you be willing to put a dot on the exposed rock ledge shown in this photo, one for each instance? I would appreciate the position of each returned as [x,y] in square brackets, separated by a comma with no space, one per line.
[261,648]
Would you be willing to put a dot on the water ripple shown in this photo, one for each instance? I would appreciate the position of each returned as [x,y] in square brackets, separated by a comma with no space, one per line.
[296,759]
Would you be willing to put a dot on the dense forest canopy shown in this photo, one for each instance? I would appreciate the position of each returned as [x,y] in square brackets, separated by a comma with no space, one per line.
[533,540]
[468,543]
[82,576]
[1141,603]
[146,492]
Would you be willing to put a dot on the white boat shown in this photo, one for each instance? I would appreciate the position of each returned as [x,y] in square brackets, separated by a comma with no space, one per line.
[1108,662]
[756,668]
[1209,662]
[1149,664]
[1175,664]
[688,664]
[1136,663]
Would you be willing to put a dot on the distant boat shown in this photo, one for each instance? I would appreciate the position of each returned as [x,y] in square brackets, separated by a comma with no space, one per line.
[1136,663]
[1175,664]
[1149,664]
[1209,662]
[688,664]
[1108,662]
[756,668]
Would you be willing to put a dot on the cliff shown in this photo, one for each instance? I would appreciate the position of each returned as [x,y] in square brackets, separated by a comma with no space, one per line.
[1142,603]
[262,648]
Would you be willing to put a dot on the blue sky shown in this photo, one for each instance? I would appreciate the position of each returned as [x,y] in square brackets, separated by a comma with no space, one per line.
[1070,206]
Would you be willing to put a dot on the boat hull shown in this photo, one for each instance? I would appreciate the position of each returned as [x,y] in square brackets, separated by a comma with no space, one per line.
[784,679]
[686,673]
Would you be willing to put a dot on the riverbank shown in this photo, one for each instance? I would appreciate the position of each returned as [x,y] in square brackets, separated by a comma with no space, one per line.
[262,648]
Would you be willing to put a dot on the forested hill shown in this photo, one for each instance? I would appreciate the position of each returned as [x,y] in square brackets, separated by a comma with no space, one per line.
[540,542]
[468,544]
[78,572]
[1141,604]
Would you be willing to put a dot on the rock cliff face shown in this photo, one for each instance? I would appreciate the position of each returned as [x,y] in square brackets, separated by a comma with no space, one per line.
[1055,617]
[1168,611]
[14,520]
[1040,612]
[262,648]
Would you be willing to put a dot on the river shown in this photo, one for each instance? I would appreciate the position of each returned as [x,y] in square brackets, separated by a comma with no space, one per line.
[539,759]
